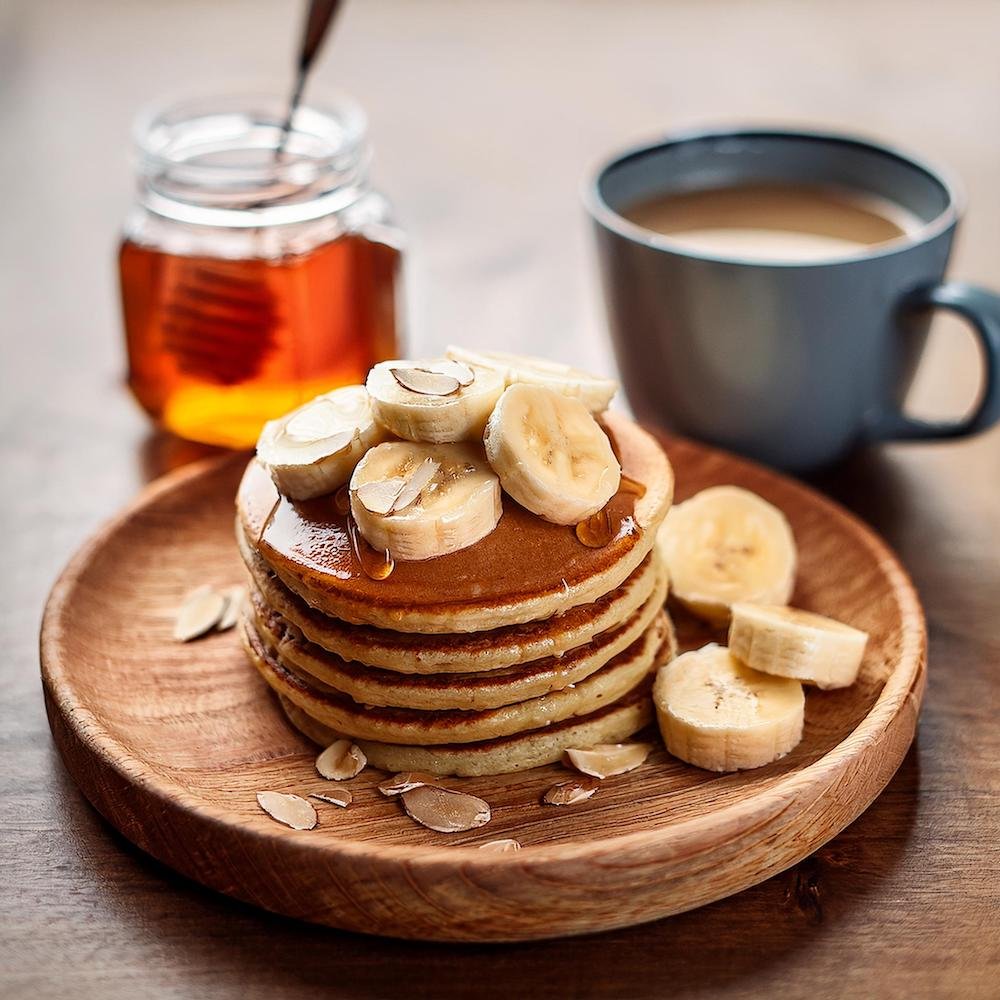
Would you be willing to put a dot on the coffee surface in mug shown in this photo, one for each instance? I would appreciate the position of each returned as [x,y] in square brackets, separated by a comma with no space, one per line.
[772,222]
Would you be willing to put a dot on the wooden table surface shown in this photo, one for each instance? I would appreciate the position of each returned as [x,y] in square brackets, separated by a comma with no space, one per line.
[485,118]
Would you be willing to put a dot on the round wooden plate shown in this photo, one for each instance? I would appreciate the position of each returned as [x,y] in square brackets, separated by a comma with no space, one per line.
[171,742]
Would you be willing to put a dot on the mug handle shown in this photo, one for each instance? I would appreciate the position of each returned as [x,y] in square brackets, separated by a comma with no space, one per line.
[982,309]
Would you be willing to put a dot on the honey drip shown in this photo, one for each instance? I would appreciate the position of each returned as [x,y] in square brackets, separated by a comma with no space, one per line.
[342,500]
[602,528]
[596,531]
[268,520]
[632,486]
[376,565]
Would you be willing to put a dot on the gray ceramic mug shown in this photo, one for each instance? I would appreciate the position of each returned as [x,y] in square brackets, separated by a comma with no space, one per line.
[793,364]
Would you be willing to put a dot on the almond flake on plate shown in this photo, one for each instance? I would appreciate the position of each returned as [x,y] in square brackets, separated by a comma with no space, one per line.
[337,797]
[200,612]
[341,760]
[379,497]
[569,793]
[445,810]
[607,759]
[418,479]
[404,781]
[426,383]
[292,810]
[505,846]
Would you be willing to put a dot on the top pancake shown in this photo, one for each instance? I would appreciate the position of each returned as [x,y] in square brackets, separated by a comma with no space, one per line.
[524,570]
[413,653]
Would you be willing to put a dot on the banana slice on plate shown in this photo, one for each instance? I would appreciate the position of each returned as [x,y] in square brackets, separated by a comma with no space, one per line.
[436,400]
[716,713]
[550,454]
[788,642]
[593,391]
[313,450]
[725,545]
[419,501]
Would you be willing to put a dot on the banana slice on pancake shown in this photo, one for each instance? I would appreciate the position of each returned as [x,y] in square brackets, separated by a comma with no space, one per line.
[716,713]
[313,450]
[726,545]
[439,401]
[593,391]
[550,454]
[419,501]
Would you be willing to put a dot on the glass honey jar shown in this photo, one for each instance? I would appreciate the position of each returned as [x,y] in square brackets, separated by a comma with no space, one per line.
[257,269]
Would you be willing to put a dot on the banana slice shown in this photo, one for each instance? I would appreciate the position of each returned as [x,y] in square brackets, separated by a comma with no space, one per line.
[438,401]
[718,714]
[550,454]
[314,449]
[424,500]
[593,391]
[725,545]
[787,642]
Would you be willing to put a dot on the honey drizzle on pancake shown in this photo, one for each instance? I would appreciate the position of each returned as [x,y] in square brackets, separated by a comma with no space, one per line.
[268,519]
[595,531]
[633,486]
[376,565]
[342,500]
[310,540]
[600,529]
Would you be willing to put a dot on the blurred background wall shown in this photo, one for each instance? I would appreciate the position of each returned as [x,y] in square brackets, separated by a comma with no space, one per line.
[485,116]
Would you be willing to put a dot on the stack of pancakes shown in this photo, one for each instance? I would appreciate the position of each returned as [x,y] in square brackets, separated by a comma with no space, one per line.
[491,659]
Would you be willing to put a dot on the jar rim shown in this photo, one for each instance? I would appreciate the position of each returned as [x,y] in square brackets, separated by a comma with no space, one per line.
[336,120]
[220,153]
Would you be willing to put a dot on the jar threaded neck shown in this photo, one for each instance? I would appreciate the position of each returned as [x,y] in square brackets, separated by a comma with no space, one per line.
[215,161]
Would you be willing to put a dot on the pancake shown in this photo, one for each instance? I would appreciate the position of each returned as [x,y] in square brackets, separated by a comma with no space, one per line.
[611,724]
[410,652]
[423,728]
[526,569]
[468,691]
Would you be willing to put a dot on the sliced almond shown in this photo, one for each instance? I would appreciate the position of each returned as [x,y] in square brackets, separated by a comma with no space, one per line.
[378,497]
[427,383]
[201,611]
[506,846]
[404,781]
[337,797]
[418,479]
[341,760]
[606,759]
[445,810]
[292,810]
[235,596]
[456,369]
[568,793]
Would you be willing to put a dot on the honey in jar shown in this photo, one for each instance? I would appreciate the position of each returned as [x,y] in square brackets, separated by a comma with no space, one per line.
[251,279]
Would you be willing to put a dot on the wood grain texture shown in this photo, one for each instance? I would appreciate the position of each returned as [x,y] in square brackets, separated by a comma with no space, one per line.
[172,741]
[484,117]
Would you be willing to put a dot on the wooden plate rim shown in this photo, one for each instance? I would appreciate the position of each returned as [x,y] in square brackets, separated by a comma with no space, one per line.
[903,686]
